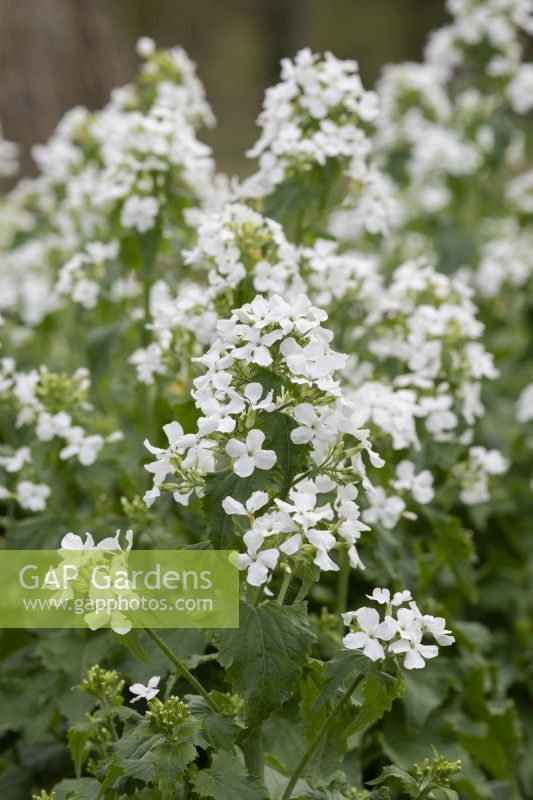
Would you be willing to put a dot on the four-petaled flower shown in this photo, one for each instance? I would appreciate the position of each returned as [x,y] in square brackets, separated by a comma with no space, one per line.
[249,454]
[145,692]
[372,630]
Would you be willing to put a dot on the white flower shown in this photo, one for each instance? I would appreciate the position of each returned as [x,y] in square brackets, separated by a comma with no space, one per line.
[253,392]
[145,692]
[259,563]
[72,541]
[17,460]
[248,455]
[420,486]
[86,448]
[415,652]
[139,213]
[383,596]
[148,362]
[524,410]
[256,501]
[385,510]
[49,426]
[145,47]
[33,496]
[178,443]
[323,541]
[311,424]
[372,630]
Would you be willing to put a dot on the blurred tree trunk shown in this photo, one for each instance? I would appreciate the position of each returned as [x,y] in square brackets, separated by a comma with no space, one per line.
[55,54]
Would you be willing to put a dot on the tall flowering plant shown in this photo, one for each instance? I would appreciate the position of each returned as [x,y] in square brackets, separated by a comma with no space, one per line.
[329,365]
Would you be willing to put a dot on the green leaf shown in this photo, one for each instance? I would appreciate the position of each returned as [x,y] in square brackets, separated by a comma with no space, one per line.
[78,736]
[131,642]
[291,458]
[342,669]
[453,548]
[228,779]
[408,782]
[265,655]
[379,693]
[147,757]
[79,789]
[330,753]
[425,692]
[219,729]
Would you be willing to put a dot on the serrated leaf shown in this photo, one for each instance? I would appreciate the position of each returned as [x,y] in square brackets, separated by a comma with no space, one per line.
[330,754]
[150,758]
[228,779]
[78,789]
[77,738]
[219,729]
[265,655]
[343,668]
[379,692]
[407,781]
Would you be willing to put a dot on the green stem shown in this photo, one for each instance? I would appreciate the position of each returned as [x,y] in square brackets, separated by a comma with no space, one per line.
[343,584]
[182,669]
[314,744]
[284,586]
[252,748]
[253,594]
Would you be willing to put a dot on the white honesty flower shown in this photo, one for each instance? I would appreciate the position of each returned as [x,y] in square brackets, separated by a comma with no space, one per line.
[384,510]
[415,652]
[256,501]
[420,486]
[249,455]
[147,692]
[383,596]
[258,562]
[372,630]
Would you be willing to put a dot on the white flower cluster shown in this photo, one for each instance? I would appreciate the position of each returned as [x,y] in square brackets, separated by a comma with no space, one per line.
[332,276]
[482,29]
[506,258]
[426,323]
[400,632]
[102,604]
[84,275]
[474,474]
[237,243]
[315,114]
[29,495]
[26,286]
[30,393]
[272,342]
[127,168]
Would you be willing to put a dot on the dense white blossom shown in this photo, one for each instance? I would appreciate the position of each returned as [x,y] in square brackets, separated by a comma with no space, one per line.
[400,632]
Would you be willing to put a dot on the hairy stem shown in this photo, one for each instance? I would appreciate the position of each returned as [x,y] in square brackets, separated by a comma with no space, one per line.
[182,669]
[314,744]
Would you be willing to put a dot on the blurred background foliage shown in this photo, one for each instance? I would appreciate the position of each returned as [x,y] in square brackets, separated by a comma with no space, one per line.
[55,54]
